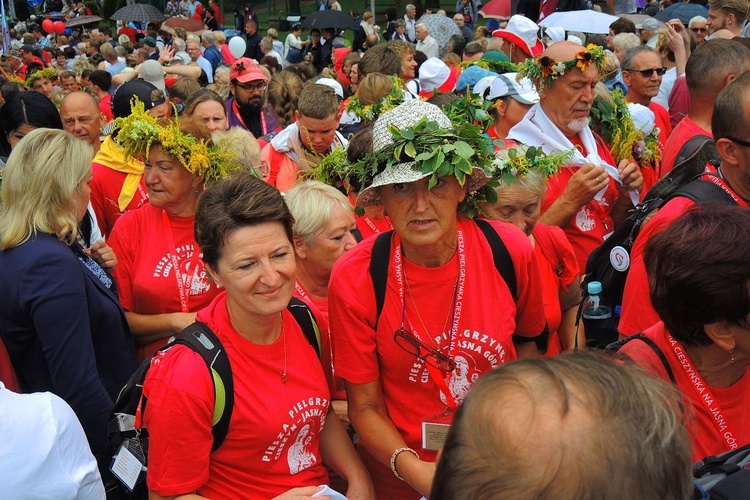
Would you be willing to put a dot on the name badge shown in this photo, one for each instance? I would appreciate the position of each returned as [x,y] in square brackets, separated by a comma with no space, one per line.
[435,430]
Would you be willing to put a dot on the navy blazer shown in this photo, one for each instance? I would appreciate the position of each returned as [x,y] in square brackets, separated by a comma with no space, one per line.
[65,331]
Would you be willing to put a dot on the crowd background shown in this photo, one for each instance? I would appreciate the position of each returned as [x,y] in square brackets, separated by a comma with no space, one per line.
[445,177]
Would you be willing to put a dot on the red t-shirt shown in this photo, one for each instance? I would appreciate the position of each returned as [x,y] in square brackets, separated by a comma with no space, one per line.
[130,32]
[733,401]
[552,281]
[105,106]
[144,274]
[637,312]
[488,319]
[587,228]
[684,130]
[679,101]
[105,192]
[274,432]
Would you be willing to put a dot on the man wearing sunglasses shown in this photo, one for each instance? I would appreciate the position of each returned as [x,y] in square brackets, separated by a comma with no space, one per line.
[642,72]
[699,27]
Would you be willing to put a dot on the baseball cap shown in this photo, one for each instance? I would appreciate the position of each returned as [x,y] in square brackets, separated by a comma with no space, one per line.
[25,48]
[246,70]
[506,85]
[153,73]
[482,87]
[336,86]
[149,40]
[435,74]
[143,90]
[649,24]
[522,32]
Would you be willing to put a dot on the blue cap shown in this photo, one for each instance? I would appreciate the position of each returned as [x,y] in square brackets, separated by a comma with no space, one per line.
[595,288]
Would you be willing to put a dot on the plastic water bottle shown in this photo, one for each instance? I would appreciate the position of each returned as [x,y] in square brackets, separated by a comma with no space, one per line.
[601,328]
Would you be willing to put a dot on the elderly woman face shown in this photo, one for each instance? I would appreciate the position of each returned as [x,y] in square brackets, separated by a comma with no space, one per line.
[331,243]
[516,205]
[170,185]
[423,217]
[257,269]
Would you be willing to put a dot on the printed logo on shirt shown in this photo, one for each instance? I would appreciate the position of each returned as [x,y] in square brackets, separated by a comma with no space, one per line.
[584,222]
[192,269]
[305,417]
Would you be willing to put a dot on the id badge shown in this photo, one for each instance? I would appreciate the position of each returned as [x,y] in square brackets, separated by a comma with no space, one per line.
[435,429]
[129,463]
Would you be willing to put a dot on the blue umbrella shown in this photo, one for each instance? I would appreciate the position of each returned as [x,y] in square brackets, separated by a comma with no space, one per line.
[682,11]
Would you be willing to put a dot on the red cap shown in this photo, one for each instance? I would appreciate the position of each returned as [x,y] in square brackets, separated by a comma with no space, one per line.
[246,70]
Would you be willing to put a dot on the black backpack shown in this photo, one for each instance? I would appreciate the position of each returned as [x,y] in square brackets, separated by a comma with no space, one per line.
[725,476]
[122,429]
[381,254]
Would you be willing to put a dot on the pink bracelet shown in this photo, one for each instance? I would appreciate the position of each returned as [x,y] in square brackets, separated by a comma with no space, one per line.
[395,456]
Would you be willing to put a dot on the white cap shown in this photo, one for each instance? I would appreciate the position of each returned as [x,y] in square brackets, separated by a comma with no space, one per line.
[506,85]
[153,73]
[330,82]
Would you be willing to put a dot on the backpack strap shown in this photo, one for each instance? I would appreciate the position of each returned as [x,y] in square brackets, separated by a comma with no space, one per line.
[381,254]
[500,256]
[616,346]
[306,320]
[202,340]
[700,190]
[690,148]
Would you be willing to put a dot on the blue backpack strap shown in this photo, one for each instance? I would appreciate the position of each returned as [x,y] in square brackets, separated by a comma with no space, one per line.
[202,340]
[381,254]
[306,320]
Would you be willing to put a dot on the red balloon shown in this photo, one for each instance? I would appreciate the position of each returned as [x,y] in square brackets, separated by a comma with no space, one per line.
[48,26]
[59,27]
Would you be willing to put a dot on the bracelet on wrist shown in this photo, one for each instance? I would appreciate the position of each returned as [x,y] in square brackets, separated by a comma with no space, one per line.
[395,456]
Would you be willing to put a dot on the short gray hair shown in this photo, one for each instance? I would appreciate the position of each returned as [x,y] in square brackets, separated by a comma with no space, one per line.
[627,62]
[179,44]
[208,37]
[409,7]
[696,19]
[424,26]
[626,41]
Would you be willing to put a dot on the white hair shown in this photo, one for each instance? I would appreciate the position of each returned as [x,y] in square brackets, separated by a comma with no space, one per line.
[423,26]
[696,19]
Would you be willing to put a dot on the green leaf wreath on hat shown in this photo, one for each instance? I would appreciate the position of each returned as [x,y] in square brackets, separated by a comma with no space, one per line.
[613,122]
[545,70]
[499,67]
[139,131]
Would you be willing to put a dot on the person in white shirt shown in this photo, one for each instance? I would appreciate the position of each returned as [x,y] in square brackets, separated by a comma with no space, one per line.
[194,51]
[45,453]
[266,46]
[410,18]
[425,43]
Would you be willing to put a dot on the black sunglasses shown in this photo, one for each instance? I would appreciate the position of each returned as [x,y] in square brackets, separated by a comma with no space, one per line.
[646,73]
[739,141]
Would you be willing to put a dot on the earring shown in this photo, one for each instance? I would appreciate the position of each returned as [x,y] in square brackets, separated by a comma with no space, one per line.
[731,354]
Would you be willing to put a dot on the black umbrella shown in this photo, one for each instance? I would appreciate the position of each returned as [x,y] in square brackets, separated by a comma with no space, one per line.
[682,11]
[323,19]
[82,21]
[139,12]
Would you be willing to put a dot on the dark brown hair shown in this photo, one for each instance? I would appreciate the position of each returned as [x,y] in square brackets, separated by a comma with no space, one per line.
[232,203]
[699,271]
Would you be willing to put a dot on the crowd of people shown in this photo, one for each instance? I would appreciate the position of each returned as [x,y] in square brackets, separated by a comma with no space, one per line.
[429,205]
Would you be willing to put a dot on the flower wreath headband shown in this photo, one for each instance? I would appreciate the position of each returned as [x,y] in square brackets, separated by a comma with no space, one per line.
[137,132]
[47,73]
[370,112]
[545,69]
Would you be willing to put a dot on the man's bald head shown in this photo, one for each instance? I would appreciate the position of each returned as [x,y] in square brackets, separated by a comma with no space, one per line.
[562,51]
[82,117]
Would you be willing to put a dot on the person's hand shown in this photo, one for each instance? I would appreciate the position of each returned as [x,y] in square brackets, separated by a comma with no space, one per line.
[674,39]
[630,174]
[166,55]
[305,493]
[676,25]
[103,255]
[341,408]
[360,489]
[584,184]
[180,321]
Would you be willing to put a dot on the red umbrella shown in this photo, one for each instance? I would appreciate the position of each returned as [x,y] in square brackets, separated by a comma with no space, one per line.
[496,9]
[188,24]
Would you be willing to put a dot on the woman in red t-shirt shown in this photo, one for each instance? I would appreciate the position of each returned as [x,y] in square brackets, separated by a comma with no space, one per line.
[281,431]
[162,280]
[520,204]
[699,278]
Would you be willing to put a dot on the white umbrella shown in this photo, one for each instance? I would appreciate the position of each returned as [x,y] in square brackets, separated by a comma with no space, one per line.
[586,21]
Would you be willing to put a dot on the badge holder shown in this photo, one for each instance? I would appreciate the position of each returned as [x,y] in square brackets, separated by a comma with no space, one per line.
[129,464]
[435,429]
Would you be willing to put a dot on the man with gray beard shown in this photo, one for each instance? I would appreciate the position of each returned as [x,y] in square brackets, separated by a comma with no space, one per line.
[592,193]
